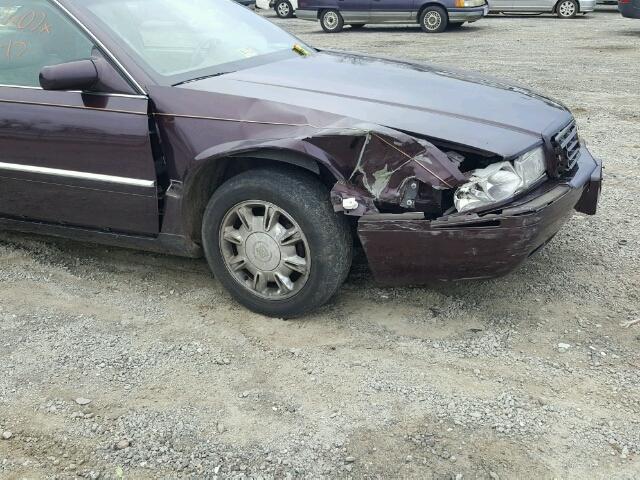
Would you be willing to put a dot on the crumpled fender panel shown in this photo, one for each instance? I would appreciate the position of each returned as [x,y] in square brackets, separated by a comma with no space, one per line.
[387,167]
[371,163]
[382,166]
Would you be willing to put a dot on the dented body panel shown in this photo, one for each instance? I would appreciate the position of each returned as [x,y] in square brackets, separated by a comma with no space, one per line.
[372,162]
[312,108]
[472,246]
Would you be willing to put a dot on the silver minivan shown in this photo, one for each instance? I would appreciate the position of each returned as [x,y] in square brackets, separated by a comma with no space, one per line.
[562,8]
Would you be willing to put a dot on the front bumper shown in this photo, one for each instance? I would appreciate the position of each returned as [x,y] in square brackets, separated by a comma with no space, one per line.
[457,15]
[405,249]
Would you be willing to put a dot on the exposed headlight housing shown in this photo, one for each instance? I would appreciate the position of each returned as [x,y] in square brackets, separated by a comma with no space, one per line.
[469,3]
[531,166]
[500,181]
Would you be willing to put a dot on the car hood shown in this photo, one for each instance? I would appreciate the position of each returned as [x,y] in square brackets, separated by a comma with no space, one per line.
[436,103]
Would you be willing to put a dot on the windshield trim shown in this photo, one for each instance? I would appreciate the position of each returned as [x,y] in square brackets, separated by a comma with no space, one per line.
[101,46]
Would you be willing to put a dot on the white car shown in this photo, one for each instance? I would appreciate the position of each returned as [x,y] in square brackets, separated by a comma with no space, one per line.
[562,8]
[283,8]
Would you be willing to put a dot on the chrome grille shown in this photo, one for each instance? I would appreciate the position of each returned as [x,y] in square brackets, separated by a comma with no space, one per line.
[567,145]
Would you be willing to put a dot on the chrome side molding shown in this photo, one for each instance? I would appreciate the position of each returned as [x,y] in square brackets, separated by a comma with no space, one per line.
[95,177]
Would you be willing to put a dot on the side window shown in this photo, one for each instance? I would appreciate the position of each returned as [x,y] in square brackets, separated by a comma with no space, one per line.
[33,34]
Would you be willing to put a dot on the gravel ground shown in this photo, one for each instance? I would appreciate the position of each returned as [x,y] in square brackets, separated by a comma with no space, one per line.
[123,364]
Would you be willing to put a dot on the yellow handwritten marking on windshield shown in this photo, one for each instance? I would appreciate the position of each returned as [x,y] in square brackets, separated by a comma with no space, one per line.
[14,49]
[33,20]
[299,50]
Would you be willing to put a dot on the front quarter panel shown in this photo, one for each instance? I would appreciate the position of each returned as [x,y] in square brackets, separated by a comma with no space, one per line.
[367,161]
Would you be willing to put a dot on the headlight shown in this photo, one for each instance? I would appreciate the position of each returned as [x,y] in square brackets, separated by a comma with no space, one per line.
[500,181]
[469,3]
[531,166]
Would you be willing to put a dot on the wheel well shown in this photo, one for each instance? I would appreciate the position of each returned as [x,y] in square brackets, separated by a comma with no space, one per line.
[555,7]
[431,4]
[215,172]
[322,10]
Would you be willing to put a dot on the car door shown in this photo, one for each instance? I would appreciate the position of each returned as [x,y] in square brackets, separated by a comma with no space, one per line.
[355,11]
[391,10]
[67,157]
[500,5]
[532,5]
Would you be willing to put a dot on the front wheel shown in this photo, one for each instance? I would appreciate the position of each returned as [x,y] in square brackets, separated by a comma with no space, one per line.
[567,9]
[284,9]
[273,240]
[331,21]
[434,19]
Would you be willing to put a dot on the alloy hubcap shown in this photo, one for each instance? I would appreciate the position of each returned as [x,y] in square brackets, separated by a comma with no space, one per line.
[432,20]
[331,20]
[265,250]
[283,9]
[567,9]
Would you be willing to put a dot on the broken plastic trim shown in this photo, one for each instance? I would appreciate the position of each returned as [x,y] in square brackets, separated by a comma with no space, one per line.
[388,170]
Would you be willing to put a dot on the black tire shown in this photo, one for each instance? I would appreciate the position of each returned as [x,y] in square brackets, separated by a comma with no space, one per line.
[331,21]
[434,19]
[357,26]
[306,200]
[567,8]
[455,25]
[283,9]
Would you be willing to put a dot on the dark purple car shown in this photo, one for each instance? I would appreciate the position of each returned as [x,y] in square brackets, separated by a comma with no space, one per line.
[196,127]
[434,16]
[629,8]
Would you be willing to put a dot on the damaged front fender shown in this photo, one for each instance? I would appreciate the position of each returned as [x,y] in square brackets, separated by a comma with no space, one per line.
[389,166]
[381,166]
[374,168]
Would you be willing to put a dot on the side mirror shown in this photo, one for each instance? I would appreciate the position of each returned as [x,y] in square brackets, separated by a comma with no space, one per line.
[80,75]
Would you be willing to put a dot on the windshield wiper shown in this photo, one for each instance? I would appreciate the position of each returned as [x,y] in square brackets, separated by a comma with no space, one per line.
[201,78]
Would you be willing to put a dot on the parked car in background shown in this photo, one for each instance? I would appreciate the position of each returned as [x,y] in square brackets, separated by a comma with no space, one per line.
[562,8]
[283,8]
[629,8]
[434,16]
[247,3]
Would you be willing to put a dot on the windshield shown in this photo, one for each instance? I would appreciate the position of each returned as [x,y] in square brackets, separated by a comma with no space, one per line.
[179,40]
